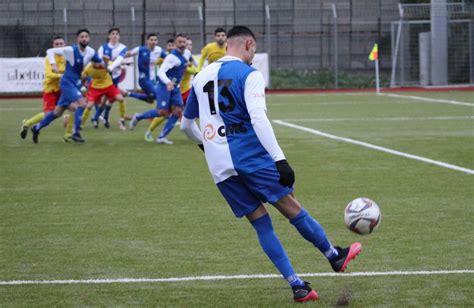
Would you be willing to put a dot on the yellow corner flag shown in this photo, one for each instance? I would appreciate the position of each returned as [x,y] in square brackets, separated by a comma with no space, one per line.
[374,54]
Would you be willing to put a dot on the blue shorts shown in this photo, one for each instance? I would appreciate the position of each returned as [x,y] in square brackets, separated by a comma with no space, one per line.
[165,99]
[69,95]
[148,87]
[246,192]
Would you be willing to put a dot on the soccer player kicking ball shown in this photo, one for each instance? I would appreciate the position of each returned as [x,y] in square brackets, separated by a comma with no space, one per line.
[245,160]
[77,57]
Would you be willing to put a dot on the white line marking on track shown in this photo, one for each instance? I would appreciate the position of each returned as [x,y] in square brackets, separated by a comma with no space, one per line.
[427,99]
[375,147]
[382,119]
[230,277]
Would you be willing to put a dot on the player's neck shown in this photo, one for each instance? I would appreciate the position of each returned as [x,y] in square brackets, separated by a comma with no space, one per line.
[230,53]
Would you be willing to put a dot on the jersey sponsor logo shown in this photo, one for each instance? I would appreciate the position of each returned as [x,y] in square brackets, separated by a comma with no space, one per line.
[210,132]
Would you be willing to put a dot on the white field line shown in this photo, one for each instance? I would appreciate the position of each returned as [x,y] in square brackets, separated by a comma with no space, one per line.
[230,277]
[382,119]
[375,147]
[427,99]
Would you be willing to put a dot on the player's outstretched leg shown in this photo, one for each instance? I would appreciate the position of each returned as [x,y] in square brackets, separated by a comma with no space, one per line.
[312,231]
[48,118]
[167,129]
[153,113]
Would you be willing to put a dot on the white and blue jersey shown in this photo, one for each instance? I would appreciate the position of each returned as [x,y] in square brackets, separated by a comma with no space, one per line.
[116,54]
[172,69]
[76,60]
[147,61]
[228,97]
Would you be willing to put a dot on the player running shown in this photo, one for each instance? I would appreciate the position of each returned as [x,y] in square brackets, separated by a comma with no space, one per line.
[169,101]
[185,88]
[116,52]
[51,89]
[77,56]
[215,50]
[101,85]
[147,60]
[245,160]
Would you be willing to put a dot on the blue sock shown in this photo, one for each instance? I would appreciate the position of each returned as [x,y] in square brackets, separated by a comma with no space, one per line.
[140,96]
[48,118]
[78,119]
[107,111]
[168,126]
[312,231]
[98,112]
[150,114]
[272,247]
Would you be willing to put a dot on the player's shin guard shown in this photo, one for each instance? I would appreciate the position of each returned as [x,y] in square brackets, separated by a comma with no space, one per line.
[122,109]
[98,112]
[155,123]
[35,119]
[70,125]
[169,126]
[48,118]
[153,113]
[108,106]
[312,231]
[274,250]
[86,115]
[78,119]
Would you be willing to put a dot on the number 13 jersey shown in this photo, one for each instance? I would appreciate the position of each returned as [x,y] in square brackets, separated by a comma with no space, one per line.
[222,96]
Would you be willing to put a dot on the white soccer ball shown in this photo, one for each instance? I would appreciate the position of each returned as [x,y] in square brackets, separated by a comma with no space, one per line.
[362,216]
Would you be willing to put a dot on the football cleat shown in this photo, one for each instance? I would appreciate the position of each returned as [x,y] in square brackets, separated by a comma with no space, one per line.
[106,123]
[122,124]
[164,140]
[35,133]
[345,256]
[67,138]
[24,129]
[76,137]
[304,293]
[95,123]
[149,136]
[133,121]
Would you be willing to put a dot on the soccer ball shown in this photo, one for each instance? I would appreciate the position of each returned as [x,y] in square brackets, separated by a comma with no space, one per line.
[362,216]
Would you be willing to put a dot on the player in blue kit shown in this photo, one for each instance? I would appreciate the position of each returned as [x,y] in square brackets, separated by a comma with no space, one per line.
[116,53]
[169,101]
[148,57]
[245,160]
[77,57]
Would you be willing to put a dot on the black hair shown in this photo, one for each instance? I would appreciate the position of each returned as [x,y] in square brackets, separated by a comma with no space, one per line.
[240,31]
[219,30]
[82,30]
[171,40]
[58,37]
[113,29]
[180,35]
[150,35]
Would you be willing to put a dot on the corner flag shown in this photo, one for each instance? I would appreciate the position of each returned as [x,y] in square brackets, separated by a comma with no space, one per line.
[374,54]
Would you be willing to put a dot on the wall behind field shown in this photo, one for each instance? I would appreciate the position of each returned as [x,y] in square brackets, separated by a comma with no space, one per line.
[300,34]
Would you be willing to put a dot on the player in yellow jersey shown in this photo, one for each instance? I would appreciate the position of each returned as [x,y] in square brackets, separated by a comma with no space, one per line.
[101,85]
[51,90]
[214,51]
[185,88]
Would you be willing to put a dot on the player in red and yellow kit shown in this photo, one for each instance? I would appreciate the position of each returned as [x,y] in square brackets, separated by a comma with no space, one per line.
[51,90]
[101,85]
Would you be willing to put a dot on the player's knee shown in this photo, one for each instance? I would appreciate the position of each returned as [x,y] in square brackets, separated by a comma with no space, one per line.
[163,113]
